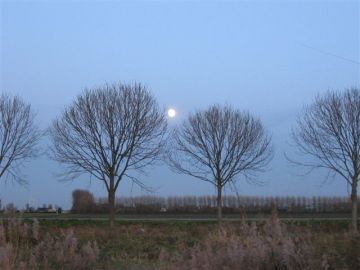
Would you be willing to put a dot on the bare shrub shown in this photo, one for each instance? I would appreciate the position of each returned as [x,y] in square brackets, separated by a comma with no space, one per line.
[22,248]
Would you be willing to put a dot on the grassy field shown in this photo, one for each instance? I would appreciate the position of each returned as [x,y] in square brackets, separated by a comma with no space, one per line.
[137,245]
[186,244]
[173,217]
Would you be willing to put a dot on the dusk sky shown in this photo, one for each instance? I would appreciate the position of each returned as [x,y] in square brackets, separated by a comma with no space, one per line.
[270,58]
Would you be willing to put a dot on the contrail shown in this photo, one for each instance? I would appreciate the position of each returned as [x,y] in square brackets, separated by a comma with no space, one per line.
[331,54]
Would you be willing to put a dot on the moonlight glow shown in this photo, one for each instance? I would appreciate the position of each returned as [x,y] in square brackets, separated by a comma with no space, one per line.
[171,113]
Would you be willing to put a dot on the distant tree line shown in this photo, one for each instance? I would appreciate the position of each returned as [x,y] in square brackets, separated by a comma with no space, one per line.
[85,202]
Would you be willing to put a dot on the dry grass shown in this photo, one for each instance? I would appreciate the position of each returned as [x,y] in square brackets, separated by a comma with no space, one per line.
[270,246]
[21,247]
[177,245]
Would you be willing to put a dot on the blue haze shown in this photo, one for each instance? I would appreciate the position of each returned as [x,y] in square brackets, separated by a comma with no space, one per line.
[270,58]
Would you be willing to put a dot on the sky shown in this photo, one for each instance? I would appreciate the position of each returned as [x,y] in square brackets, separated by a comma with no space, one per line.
[270,58]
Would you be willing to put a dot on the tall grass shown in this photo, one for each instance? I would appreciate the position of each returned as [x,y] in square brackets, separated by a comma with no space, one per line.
[21,247]
[272,245]
[178,245]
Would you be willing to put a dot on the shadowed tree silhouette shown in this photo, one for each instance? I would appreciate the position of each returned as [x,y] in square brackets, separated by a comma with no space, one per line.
[217,145]
[18,136]
[329,132]
[110,132]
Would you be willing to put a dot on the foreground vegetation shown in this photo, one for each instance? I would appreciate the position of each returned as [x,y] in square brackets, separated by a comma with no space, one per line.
[86,244]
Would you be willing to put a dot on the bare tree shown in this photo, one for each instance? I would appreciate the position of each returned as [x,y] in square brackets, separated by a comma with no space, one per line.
[329,132]
[18,136]
[217,145]
[110,132]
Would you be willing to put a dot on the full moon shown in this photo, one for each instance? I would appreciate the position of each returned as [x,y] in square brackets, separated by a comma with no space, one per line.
[171,113]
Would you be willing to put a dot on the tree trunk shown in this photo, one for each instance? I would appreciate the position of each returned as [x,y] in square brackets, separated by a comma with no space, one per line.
[111,200]
[354,205]
[219,204]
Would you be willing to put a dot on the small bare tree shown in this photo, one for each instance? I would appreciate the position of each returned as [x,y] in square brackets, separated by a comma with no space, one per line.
[18,136]
[329,132]
[110,132]
[219,144]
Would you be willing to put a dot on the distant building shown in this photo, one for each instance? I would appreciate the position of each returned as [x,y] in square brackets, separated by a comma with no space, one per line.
[49,209]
